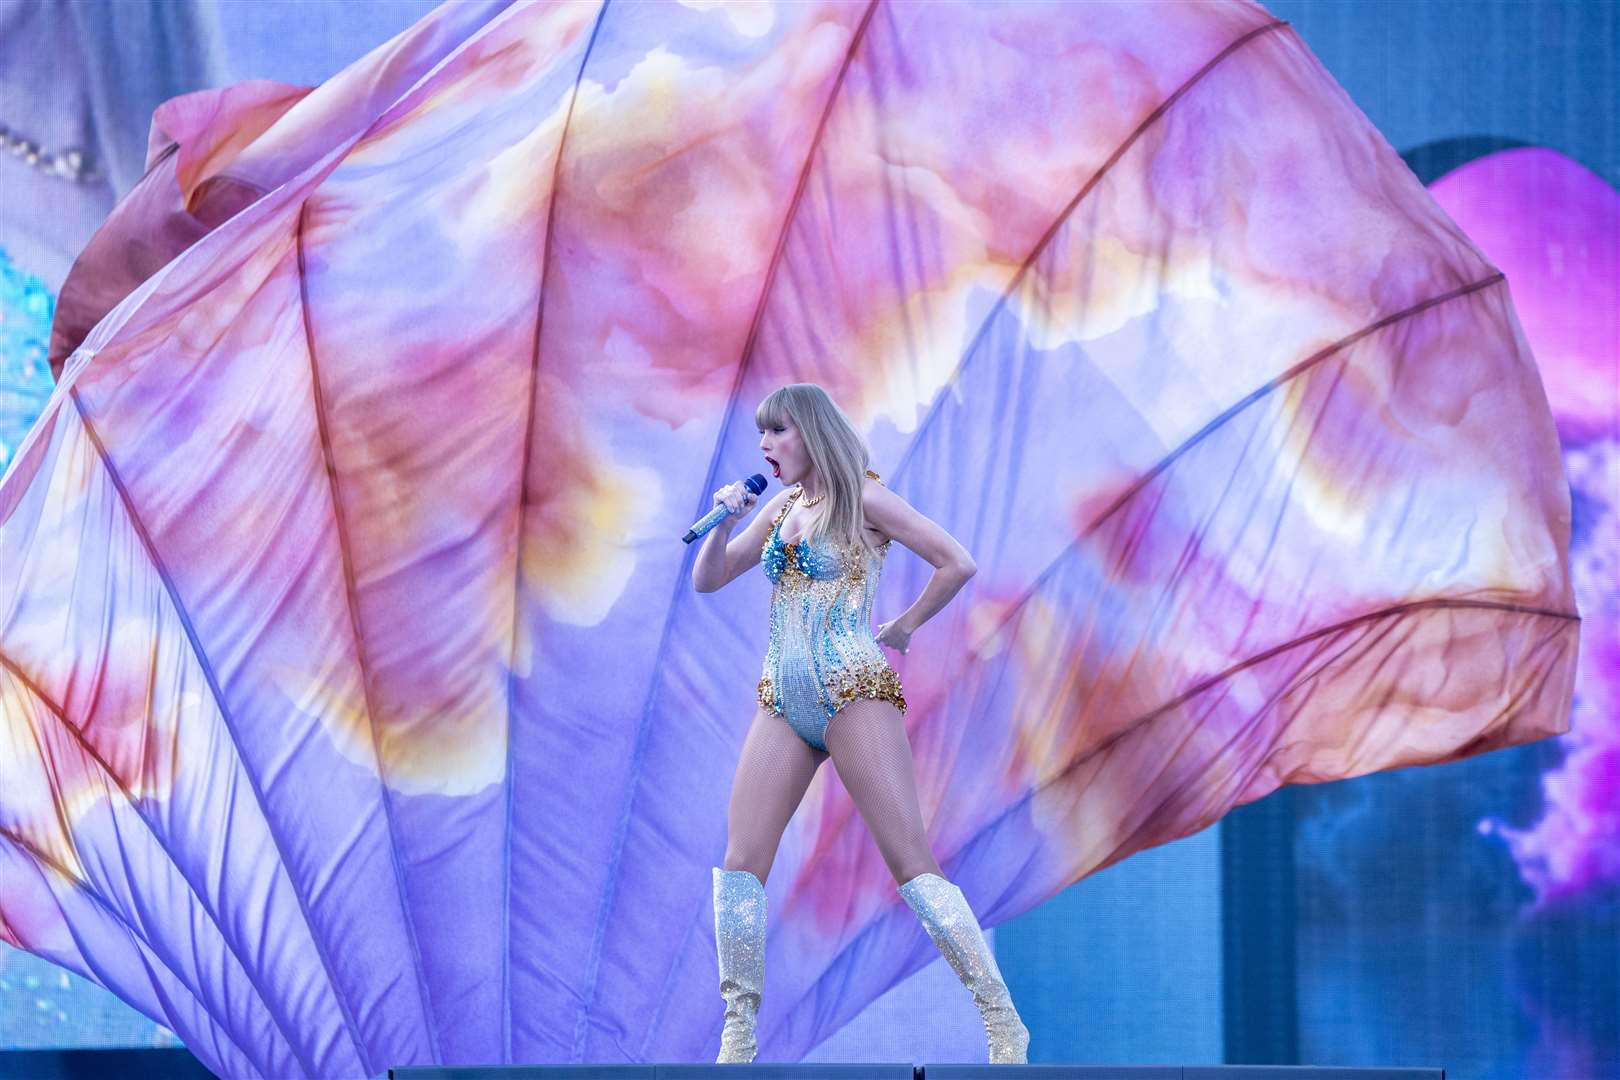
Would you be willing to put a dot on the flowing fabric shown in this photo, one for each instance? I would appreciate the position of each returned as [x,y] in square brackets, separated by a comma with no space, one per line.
[357,707]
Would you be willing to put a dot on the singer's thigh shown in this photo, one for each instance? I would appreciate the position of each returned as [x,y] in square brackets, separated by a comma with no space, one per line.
[772,773]
[873,758]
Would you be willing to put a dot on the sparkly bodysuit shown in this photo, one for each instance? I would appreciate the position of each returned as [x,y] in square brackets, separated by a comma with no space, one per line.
[822,653]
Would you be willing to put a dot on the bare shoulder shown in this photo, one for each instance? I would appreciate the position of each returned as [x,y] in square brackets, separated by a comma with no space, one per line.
[891,515]
[881,507]
[876,494]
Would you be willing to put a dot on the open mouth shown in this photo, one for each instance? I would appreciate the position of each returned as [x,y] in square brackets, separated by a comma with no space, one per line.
[776,469]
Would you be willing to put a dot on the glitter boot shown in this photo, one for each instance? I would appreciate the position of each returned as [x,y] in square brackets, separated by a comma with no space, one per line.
[739,937]
[945,914]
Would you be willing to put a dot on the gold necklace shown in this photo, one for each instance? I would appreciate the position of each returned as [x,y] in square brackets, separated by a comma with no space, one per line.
[810,502]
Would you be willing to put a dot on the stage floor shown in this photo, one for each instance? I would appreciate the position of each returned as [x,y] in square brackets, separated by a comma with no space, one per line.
[903,1071]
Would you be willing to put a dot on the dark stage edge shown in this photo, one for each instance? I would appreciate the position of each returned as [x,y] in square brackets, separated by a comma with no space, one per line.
[133,1063]
[911,1072]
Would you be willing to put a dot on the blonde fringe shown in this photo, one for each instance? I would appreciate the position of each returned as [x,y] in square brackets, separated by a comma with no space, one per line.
[837,452]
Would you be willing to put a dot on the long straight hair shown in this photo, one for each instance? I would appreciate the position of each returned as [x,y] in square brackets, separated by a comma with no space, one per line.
[836,450]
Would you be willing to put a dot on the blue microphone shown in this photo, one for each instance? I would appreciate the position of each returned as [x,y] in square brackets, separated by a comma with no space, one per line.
[755,484]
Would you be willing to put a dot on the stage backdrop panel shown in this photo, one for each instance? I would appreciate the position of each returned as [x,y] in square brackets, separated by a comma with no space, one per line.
[340,561]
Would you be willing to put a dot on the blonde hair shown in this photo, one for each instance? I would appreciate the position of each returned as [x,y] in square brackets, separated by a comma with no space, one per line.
[836,450]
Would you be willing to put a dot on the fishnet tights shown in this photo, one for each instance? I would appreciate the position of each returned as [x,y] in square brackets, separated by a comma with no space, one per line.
[868,747]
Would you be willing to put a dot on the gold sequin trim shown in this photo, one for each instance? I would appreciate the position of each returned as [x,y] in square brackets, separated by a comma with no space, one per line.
[877,682]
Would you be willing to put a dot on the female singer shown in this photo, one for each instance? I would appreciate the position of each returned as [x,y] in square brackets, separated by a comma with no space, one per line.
[827,690]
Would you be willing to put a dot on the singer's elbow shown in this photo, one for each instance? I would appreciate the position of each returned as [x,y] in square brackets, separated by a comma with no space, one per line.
[967,568]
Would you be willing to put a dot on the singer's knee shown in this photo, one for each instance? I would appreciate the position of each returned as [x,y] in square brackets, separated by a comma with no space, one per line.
[754,861]
[912,864]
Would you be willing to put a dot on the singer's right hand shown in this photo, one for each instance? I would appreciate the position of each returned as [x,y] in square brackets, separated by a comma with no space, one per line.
[736,498]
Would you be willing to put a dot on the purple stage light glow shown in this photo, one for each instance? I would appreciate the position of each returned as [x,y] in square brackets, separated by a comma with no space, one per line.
[1554,228]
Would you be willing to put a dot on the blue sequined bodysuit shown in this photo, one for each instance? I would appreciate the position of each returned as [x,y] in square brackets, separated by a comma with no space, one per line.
[822,654]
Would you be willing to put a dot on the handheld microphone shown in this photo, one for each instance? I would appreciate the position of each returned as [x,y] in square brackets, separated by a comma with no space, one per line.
[754,484]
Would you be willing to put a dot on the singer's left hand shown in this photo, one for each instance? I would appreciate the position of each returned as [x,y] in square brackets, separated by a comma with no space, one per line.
[894,636]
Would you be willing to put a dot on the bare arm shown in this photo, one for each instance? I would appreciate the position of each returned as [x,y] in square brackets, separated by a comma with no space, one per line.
[722,559]
[898,520]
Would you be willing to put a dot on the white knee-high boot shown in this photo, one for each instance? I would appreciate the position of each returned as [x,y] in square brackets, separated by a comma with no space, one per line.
[739,939]
[945,914]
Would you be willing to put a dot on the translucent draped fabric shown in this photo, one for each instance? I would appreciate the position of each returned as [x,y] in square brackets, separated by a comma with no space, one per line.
[357,708]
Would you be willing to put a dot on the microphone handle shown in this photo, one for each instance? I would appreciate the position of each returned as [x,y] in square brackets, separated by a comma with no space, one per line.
[755,484]
[706,522]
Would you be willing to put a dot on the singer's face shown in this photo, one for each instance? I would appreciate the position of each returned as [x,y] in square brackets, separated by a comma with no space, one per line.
[784,452]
